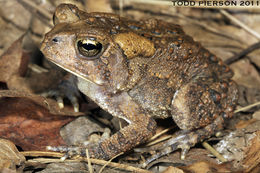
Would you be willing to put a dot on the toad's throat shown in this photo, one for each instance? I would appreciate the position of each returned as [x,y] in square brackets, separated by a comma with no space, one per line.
[74,73]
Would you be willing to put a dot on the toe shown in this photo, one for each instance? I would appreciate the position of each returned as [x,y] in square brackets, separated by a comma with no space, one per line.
[60,102]
[74,101]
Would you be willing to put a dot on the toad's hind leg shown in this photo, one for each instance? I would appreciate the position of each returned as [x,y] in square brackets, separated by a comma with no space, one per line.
[186,139]
[199,109]
[201,101]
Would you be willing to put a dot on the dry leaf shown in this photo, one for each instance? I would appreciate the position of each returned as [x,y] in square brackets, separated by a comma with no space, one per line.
[10,158]
[244,123]
[206,167]
[246,74]
[85,126]
[26,121]
[242,146]
[193,156]
[256,115]
[13,63]
[171,169]
[66,167]
[252,158]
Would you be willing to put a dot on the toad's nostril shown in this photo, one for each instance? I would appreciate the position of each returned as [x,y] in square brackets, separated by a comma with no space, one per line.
[56,39]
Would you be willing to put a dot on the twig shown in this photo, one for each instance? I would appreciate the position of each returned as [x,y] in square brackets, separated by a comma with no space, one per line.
[241,24]
[37,69]
[94,161]
[41,153]
[119,166]
[103,167]
[152,140]
[214,152]
[243,53]
[247,107]
[90,168]
[158,140]
[160,133]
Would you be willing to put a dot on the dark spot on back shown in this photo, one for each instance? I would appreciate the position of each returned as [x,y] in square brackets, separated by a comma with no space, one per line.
[156,32]
[180,40]
[216,97]
[113,31]
[134,27]
[213,58]
[172,32]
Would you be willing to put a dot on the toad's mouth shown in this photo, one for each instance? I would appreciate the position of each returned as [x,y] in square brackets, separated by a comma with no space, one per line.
[44,50]
[74,73]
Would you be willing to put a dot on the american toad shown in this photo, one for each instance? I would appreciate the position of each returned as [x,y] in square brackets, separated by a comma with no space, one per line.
[139,71]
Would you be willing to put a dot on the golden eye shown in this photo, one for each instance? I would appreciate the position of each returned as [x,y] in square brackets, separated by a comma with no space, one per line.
[89,48]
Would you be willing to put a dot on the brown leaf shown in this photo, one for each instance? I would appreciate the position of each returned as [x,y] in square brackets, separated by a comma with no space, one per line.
[14,61]
[13,66]
[26,121]
[256,115]
[252,158]
[66,167]
[86,130]
[245,74]
[171,169]
[244,123]
[205,167]
[193,156]
[15,73]
[242,146]
[9,156]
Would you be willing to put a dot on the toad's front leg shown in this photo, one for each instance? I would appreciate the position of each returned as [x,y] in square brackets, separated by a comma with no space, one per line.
[125,139]
[141,126]
[122,141]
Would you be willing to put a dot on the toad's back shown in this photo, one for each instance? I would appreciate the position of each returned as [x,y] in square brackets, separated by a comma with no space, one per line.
[171,60]
[176,61]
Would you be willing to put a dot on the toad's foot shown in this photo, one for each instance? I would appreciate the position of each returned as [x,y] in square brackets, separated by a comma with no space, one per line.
[187,139]
[65,89]
[71,151]
[122,141]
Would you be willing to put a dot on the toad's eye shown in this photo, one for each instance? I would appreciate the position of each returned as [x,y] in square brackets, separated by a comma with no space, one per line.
[89,48]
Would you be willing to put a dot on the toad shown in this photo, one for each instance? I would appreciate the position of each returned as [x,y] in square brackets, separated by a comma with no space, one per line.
[139,71]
